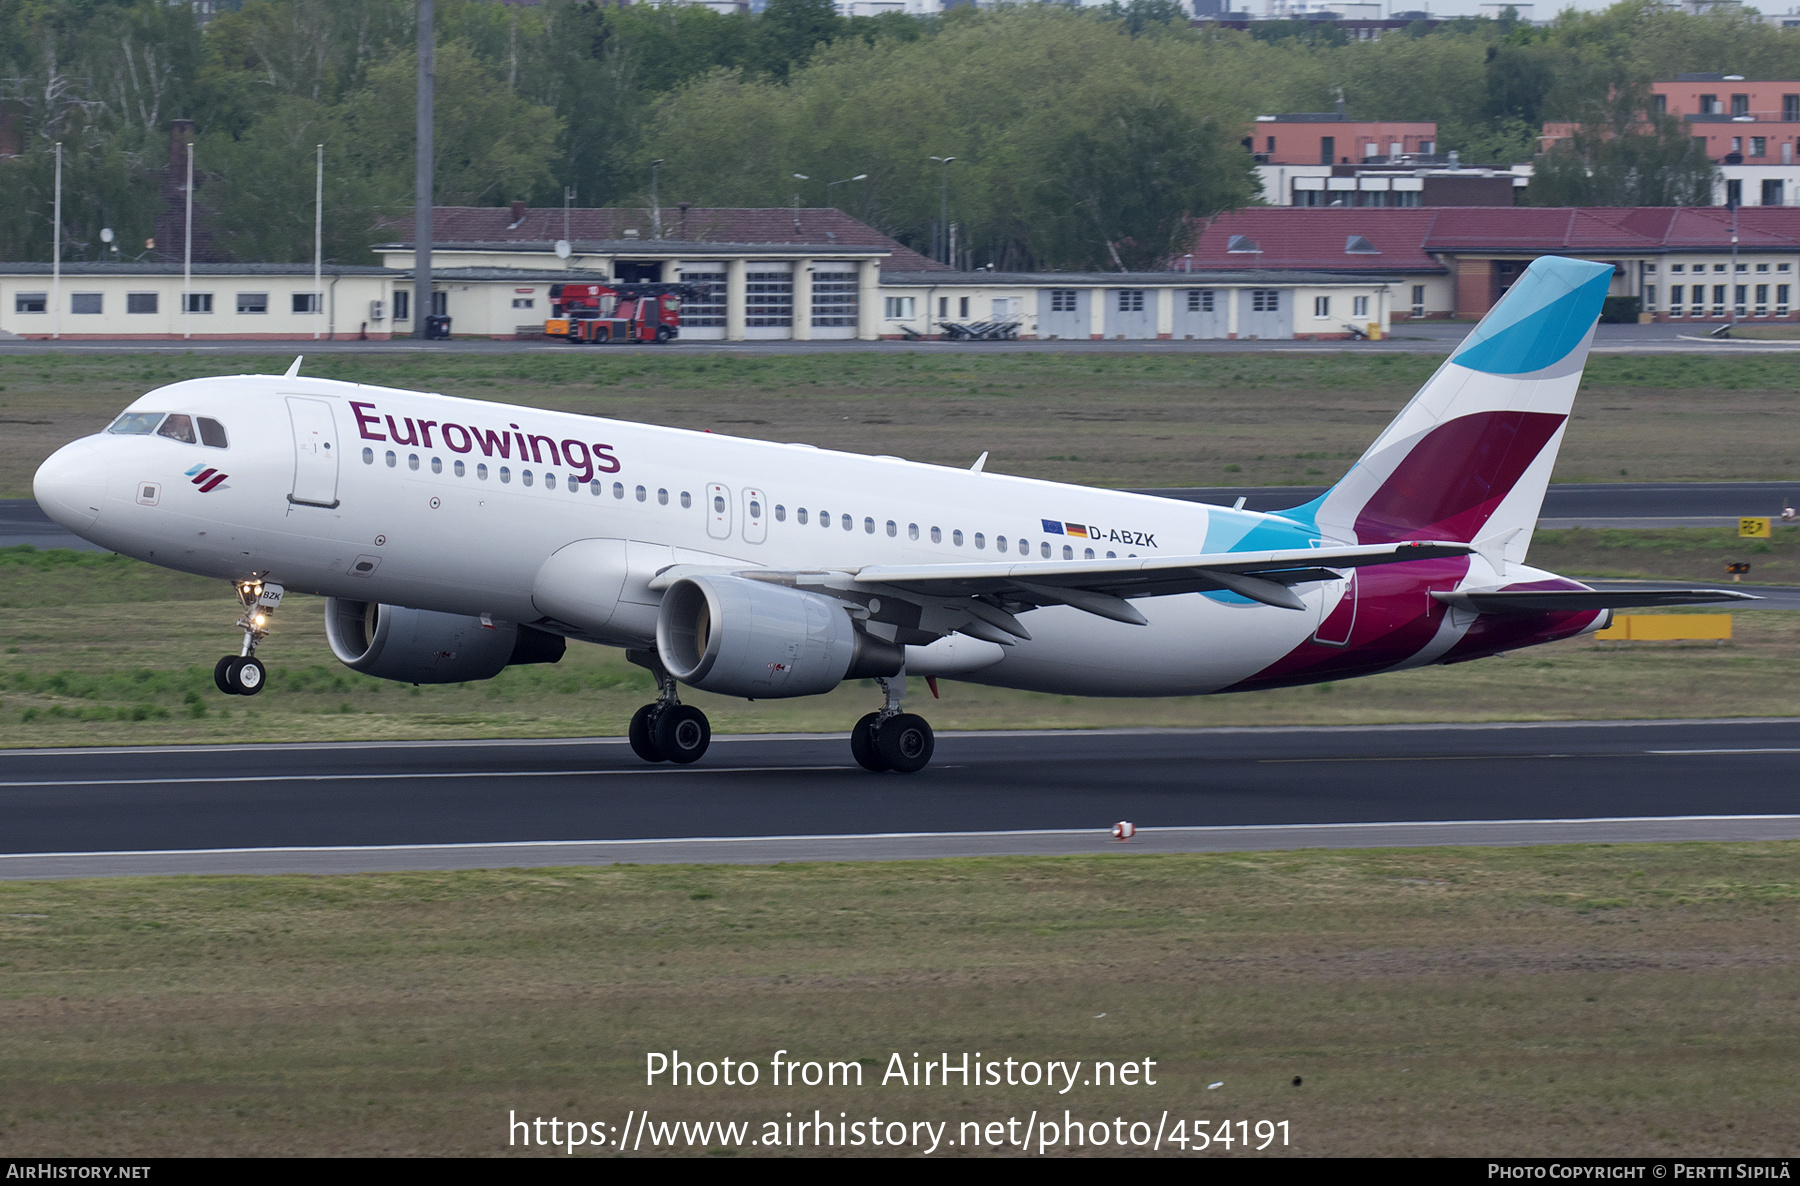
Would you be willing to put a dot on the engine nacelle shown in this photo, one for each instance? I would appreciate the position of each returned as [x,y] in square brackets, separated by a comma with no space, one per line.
[740,637]
[418,646]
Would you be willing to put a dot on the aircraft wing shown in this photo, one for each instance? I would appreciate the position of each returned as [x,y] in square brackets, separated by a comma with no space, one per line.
[1533,601]
[1101,586]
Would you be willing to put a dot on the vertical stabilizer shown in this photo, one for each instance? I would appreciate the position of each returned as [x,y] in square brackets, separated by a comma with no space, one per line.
[1469,458]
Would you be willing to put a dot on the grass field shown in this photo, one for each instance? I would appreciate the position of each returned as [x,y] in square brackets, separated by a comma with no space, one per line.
[1100,419]
[101,650]
[1627,1000]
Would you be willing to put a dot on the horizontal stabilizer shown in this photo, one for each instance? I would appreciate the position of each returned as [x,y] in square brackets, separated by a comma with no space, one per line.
[1535,601]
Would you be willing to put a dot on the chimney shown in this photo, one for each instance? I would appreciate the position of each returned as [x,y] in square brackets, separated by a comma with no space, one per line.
[683,207]
[518,215]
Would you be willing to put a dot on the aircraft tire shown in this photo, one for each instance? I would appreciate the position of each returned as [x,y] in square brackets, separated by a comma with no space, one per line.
[642,735]
[862,745]
[222,675]
[905,743]
[682,733]
[247,675]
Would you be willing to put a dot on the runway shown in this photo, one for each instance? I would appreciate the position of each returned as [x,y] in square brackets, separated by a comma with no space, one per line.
[386,806]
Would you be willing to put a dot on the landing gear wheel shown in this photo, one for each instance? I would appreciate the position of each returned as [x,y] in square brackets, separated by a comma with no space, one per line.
[247,675]
[862,744]
[221,674]
[905,742]
[642,734]
[682,733]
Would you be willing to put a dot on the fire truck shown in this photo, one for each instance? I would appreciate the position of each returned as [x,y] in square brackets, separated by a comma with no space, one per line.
[616,312]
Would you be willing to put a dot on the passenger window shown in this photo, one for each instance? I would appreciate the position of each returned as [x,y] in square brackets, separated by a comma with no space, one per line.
[1044,550]
[999,542]
[718,501]
[524,476]
[868,525]
[1068,552]
[412,462]
[780,513]
[212,433]
[618,490]
[368,456]
[458,467]
[755,509]
[662,498]
[642,494]
[800,516]
[825,519]
[437,465]
[937,536]
[1112,555]
[687,500]
[178,427]
[980,540]
[506,473]
[594,487]
[391,459]
[574,483]
[136,424]
[1087,553]
[481,471]
[912,531]
[849,522]
[894,531]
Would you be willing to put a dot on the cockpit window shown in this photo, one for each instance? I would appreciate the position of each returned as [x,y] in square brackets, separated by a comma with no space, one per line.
[178,427]
[136,424]
[212,433]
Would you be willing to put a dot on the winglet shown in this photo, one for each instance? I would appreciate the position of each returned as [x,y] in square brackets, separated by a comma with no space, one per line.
[979,462]
[293,372]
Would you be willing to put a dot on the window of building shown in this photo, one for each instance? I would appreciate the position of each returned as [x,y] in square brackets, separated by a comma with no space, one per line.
[86,302]
[1271,148]
[1759,145]
[1762,267]
[1772,191]
[1265,300]
[768,298]
[1676,293]
[1734,189]
[1327,150]
[1242,245]
[1781,300]
[1322,306]
[198,302]
[1418,300]
[1790,109]
[943,307]
[1660,104]
[962,307]
[1762,300]
[834,300]
[1359,306]
[30,302]
[1649,298]
[1200,300]
[1677,268]
[1740,105]
[307,302]
[899,308]
[1709,105]
[140,302]
[252,302]
[1062,300]
[1718,267]
[1131,300]
[440,304]
[524,302]
[402,305]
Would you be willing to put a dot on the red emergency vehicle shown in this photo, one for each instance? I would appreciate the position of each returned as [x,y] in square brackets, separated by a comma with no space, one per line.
[615,312]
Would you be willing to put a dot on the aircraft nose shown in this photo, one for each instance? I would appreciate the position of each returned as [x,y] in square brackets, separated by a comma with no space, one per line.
[70,484]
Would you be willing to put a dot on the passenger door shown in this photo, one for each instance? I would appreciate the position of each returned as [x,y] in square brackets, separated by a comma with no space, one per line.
[315,453]
[756,523]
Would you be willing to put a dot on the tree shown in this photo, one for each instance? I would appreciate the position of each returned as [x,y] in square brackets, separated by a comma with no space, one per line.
[1621,156]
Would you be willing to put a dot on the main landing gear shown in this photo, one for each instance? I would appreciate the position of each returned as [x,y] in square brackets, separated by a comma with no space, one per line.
[243,674]
[891,739]
[667,730]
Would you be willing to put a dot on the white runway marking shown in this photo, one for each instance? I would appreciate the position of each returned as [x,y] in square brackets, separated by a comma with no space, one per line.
[401,777]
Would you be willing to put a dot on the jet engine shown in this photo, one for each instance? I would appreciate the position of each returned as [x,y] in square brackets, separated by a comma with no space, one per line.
[741,637]
[418,646]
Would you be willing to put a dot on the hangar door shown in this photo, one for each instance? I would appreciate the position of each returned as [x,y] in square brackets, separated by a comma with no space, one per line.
[1265,313]
[1131,312]
[1200,312]
[1064,313]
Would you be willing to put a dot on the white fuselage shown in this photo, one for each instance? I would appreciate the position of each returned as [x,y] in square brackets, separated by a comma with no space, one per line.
[429,513]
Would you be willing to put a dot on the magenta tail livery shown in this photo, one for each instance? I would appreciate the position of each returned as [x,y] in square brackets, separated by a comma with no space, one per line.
[455,537]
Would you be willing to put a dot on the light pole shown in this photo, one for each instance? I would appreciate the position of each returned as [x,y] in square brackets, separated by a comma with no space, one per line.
[944,204]
[318,241]
[845,181]
[56,252]
[655,204]
[423,196]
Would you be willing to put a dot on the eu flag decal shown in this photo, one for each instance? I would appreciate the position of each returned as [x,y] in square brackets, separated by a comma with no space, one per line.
[1052,527]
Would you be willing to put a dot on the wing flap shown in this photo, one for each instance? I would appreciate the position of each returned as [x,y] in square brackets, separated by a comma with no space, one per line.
[1536,601]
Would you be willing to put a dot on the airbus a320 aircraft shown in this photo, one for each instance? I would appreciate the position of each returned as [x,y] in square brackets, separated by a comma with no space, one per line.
[454,537]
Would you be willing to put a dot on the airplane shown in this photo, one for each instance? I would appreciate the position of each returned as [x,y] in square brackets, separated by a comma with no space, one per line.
[455,537]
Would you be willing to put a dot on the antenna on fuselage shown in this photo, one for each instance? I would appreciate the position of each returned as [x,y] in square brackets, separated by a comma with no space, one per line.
[979,462]
[294,371]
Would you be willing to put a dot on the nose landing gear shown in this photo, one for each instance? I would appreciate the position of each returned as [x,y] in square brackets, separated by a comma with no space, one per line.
[243,674]
[891,739]
[667,730]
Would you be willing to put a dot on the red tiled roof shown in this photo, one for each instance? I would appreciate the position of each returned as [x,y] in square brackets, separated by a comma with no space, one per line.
[709,224]
[1314,239]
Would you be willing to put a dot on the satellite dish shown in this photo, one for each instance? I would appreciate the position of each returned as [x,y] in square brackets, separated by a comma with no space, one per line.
[106,235]
[564,249]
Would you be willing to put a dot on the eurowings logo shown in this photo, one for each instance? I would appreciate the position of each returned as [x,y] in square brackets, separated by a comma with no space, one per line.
[207,478]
